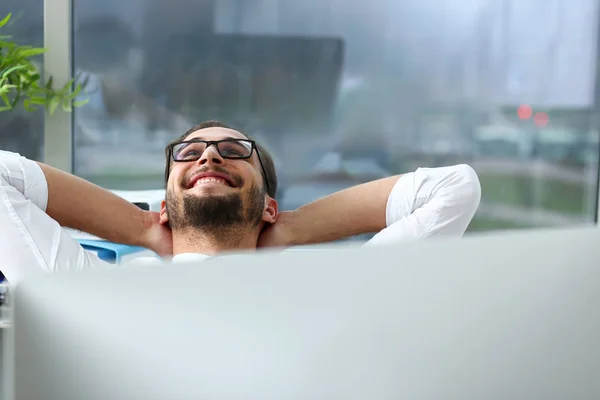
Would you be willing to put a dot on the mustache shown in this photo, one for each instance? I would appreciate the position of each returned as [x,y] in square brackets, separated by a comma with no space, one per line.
[236,179]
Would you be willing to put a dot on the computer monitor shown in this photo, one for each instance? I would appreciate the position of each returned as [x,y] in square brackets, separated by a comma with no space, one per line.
[260,82]
[512,316]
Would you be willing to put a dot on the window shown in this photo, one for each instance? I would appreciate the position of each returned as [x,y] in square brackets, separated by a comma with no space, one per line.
[22,131]
[354,91]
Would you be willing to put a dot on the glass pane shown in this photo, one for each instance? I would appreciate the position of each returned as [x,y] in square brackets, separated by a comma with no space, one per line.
[346,91]
[22,131]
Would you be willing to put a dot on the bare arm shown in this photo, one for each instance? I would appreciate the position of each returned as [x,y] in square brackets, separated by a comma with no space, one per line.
[353,211]
[420,204]
[76,203]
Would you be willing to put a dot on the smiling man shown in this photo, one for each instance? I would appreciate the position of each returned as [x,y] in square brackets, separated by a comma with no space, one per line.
[220,190]
[220,198]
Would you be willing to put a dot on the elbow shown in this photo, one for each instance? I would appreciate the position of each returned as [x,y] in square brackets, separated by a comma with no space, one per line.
[468,186]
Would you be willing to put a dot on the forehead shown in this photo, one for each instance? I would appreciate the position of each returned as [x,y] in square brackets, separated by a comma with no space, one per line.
[215,134]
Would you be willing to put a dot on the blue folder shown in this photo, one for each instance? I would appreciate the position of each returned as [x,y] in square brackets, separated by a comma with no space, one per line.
[108,251]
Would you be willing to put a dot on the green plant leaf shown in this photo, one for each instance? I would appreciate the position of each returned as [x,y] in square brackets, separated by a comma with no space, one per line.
[37,100]
[28,106]
[10,70]
[66,106]
[54,103]
[80,103]
[30,83]
[66,88]
[35,77]
[5,20]
[76,92]
[6,88]
[49,83]
[17,97]
[6,100]
[30,52]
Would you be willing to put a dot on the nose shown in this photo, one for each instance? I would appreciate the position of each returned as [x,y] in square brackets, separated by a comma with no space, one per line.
[210,155]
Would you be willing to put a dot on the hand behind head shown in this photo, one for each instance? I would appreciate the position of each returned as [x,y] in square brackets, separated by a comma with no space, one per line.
[158,236]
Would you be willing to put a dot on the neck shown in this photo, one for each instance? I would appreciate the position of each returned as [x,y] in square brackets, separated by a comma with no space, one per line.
[226,240]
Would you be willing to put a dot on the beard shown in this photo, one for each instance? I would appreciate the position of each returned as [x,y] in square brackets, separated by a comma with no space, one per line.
[218,215]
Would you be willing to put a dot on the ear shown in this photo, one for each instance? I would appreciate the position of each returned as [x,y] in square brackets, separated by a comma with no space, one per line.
[164,218]
[270,211]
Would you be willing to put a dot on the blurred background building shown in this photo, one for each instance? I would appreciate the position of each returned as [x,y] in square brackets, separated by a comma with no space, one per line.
[341,92]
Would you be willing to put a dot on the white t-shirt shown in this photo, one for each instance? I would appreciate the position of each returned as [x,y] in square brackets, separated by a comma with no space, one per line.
[425,203]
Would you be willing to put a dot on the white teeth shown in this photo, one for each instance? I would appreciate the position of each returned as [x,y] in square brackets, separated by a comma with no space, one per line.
[211,180]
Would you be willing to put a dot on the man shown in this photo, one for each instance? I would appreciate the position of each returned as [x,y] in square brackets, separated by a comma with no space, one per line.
[220,197]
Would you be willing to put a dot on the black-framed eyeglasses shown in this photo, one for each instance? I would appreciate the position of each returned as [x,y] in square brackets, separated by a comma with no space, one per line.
[232,149]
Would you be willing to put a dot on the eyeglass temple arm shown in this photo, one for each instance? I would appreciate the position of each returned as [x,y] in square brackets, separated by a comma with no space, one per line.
[262,166]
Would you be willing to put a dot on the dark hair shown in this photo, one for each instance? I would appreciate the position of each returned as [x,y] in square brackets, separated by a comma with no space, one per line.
[267,160]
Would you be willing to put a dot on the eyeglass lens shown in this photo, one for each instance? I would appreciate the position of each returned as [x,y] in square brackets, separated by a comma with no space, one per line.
[189,151]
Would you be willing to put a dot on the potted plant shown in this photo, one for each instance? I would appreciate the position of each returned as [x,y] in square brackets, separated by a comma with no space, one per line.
[21,81]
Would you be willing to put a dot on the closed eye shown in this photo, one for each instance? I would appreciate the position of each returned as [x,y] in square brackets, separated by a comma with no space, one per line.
[231,152]
[188,154]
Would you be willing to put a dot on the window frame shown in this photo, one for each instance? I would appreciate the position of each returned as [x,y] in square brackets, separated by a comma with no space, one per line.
[58,63]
